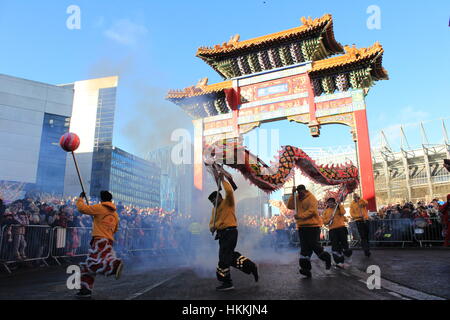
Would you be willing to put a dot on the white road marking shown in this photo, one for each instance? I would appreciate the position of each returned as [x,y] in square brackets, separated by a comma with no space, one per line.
[134,296]
[394,294]
[394,287]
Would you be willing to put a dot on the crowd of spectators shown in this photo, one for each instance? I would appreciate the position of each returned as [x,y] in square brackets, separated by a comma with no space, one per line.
[410,211]
[394,222]
[27,225]
[158,229]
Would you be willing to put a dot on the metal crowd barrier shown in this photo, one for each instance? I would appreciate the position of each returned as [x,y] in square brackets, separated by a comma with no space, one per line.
[33,243]
[392,231]
[388,231]
[156,241]
[70,242]
[38,243]
[428,230]
[25,244]
[384,232]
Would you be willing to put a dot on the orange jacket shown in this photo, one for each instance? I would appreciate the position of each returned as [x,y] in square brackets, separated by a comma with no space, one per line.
[307,214]
[106,219]
[226,213]
[358,210]
[339,218]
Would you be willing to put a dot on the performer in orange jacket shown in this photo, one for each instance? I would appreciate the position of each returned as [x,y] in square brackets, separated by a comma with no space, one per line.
[445,216]
[102,258]
[308,225]
[223,220]
[360,215]
[338,231]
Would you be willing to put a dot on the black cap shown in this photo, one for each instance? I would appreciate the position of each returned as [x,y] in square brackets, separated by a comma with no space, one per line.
[212,196]
[301,187]
[105,196]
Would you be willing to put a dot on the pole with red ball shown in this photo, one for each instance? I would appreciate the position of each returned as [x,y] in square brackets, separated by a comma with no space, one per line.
[70,142]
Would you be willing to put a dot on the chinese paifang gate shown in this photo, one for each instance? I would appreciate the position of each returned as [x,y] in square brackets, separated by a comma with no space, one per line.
[301,74]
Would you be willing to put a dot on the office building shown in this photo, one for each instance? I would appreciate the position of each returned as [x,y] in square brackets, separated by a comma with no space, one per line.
[33,116]
[94,105]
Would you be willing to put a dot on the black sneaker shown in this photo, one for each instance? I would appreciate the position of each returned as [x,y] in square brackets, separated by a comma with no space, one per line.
[255,273]
[305,273]
[84,293]
[367,253]
[327,259]
[225,287]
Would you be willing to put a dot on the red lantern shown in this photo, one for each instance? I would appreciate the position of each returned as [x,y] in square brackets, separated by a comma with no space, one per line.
[69,142]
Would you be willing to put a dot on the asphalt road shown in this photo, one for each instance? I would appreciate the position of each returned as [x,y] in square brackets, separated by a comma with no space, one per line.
[406,274]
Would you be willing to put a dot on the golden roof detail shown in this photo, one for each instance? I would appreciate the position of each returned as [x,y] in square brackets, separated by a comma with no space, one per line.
[201,88]
[352,55]
[308,25]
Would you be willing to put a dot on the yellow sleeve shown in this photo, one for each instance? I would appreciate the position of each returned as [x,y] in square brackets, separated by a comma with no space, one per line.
[229,193]
[363,202]
[341,210]
[312,209]
[85,209]
[326,216]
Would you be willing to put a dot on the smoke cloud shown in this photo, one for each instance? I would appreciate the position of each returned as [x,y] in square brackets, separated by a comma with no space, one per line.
[150,119]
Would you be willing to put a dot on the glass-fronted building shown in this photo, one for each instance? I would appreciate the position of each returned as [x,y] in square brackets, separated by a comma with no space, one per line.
[102,152]
[176,181]
[52,159]
[131,180]
[104,125]
[94,106]
[33,116]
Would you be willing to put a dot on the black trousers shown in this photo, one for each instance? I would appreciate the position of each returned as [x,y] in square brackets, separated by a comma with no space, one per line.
[310,243]
[363,230]
[227,244]
[339,244]
[230,258]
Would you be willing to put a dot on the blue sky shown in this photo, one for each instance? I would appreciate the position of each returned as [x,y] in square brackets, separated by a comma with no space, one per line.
[152,45]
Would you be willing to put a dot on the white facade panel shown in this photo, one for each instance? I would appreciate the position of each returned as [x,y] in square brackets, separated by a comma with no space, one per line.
[23,104]
[84,112]
[23,88]
[83,123]
[10,113]
[26,103]
[59,108]
[59,95]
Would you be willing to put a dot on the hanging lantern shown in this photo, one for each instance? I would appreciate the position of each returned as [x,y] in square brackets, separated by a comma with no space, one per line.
[69,142]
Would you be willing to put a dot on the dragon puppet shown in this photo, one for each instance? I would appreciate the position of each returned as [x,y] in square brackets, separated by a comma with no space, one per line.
[233,154]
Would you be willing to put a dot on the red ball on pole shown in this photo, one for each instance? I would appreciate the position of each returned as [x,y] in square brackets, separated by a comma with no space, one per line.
[69,142]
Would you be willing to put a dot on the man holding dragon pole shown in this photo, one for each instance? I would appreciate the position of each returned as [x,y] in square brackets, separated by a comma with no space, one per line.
[224,222]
